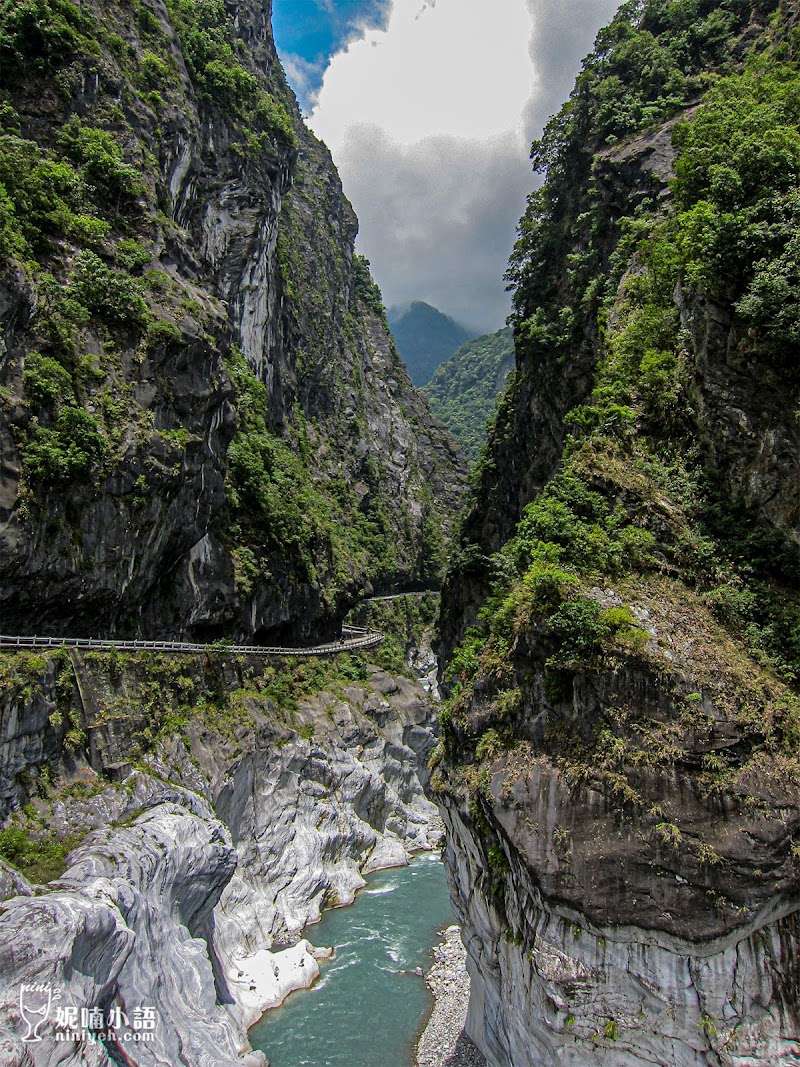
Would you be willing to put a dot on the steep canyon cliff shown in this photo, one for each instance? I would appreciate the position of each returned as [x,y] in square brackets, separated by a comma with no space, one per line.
[205,428]
[619,768]
[205,431]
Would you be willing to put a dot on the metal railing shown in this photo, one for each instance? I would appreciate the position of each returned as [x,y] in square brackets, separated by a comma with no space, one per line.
[400,596]
[360,638]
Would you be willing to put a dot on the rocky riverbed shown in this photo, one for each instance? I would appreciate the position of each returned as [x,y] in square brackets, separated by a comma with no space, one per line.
[208,859]
[443,1042]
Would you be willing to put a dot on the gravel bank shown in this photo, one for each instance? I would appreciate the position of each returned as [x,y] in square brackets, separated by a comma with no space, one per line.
[443,1042]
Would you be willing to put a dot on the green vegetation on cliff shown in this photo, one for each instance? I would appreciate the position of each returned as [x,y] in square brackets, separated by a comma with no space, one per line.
[77,216]
[464,389]
[142,702]
[192,349]
[653,560]
[275,506]
[407,623]
[730,234]
[654,59]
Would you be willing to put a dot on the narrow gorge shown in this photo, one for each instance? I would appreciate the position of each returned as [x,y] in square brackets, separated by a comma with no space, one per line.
[216,832]
[207,435]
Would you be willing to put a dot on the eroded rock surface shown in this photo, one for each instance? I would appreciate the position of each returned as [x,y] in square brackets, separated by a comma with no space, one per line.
[619,774]
[243,255]
[550,987]
[131,895]
[191,894]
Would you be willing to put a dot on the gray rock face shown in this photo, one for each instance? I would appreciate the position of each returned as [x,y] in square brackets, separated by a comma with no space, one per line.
[27,739]
[745,414]
[622,907]
[578,994]
[12,884]
[233,846]
[128,926]
[620,826]
[310,816]
[83,559]
[248,248]
[527,444]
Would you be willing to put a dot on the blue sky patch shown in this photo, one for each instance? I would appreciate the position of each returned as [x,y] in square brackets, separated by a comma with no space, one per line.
[309,32]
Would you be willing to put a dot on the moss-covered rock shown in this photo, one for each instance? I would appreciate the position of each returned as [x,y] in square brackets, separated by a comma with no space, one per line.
[205,427]
[619,764]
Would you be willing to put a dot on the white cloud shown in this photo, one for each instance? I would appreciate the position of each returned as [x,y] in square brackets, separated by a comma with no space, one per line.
[430,122]
[459,68]
[303,75]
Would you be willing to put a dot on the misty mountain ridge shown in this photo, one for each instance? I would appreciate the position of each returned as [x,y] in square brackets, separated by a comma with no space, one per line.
[425,337]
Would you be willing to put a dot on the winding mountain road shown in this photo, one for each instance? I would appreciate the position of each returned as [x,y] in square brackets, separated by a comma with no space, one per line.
[353,637]
[401,596]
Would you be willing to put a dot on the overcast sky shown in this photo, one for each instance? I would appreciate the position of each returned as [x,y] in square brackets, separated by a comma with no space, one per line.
[429,108]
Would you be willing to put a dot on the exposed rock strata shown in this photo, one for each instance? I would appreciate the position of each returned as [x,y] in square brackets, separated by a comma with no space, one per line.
[247,247]
[182,908]
[550,987]
[623,856]
[623,807]
[131,895]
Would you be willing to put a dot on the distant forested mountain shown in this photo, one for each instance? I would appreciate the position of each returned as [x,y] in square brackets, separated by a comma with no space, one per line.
[463,392]
[425,338]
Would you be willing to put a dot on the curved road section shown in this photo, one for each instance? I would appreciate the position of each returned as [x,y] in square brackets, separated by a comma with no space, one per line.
[353,637]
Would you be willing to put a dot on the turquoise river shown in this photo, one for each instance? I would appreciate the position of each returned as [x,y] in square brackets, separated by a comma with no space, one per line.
[369,1005]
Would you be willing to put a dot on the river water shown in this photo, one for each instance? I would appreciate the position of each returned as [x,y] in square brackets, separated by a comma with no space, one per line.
[368,1005]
